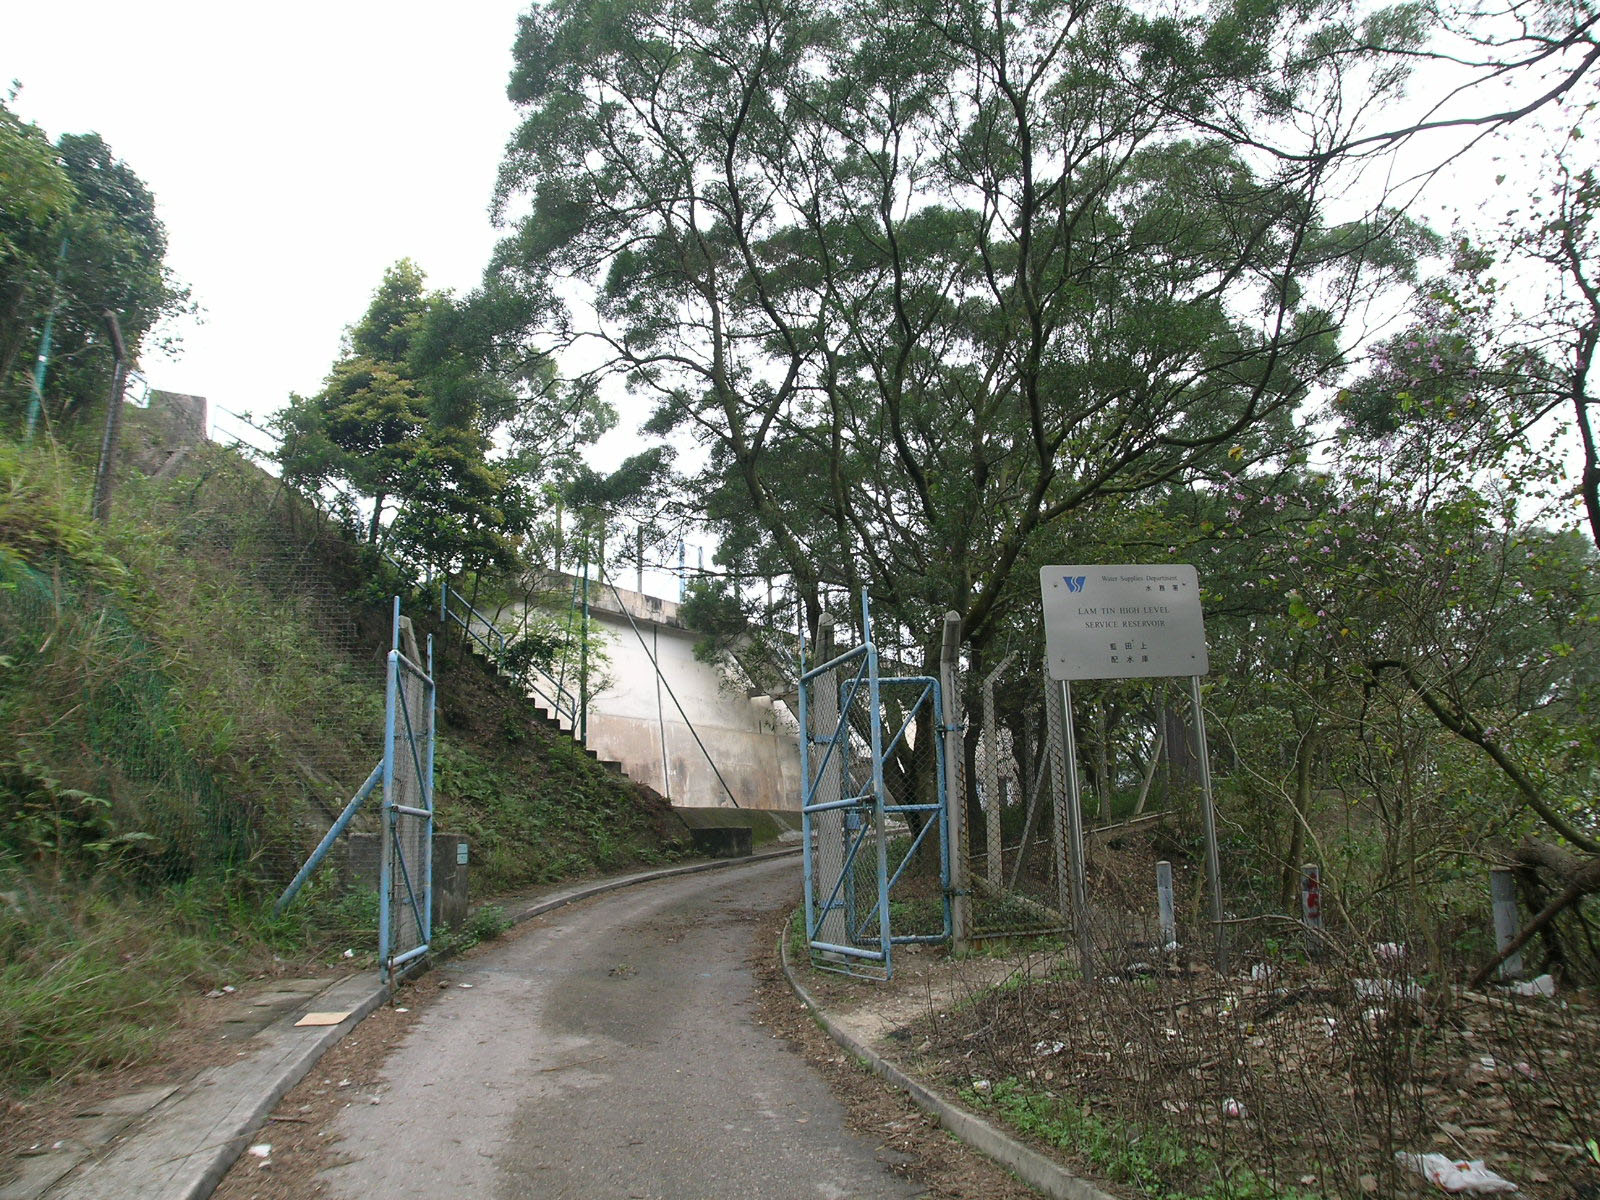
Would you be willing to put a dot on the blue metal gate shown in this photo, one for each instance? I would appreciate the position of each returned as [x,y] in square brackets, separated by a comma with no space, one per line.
[405,882]
[405,887]
[874,809]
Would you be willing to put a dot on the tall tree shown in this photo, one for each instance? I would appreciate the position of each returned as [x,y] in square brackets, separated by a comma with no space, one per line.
[922,282]
[79,235]
[441,433]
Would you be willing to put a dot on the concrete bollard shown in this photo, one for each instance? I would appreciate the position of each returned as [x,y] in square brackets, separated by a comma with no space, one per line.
[1169,921]
[1311,896]
[1503,899]
[452,856]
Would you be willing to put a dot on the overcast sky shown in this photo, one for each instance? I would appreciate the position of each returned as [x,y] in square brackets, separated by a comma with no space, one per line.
[295,151]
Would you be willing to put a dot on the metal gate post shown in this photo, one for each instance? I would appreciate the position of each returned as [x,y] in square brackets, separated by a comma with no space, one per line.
[875,724]
[427,802]
[955,766]
[386,820]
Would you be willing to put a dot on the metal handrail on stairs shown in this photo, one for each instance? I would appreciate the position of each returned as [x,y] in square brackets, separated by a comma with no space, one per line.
[456,608]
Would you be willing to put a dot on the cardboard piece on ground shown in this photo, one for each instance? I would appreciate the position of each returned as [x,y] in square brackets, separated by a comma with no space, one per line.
[322,1018]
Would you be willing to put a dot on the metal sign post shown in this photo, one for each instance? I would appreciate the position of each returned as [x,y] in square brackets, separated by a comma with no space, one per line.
[1129,622]
[1208,813]
[1080,890]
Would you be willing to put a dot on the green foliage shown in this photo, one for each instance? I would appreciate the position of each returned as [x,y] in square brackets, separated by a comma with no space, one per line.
[431,425]
[33,185]
[44,513]
[73,211]
[483,924]
[179,724]
[913,328]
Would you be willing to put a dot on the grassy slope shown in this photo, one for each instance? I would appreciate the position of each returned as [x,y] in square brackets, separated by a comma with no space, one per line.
[186,697]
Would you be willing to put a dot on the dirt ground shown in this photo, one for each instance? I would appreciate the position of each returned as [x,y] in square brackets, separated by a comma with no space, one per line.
[199,1040]
[296,1132]
[1311,1077]
[1325,1083]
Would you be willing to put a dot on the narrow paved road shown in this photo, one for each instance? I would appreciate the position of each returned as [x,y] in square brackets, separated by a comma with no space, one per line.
[610,1050]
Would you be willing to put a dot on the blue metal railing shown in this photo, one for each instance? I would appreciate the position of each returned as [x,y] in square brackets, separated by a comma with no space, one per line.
[479,628]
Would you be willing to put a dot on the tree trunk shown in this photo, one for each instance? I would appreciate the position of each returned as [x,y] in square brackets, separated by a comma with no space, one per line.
[1580,878]
[1299,806]
[377,512]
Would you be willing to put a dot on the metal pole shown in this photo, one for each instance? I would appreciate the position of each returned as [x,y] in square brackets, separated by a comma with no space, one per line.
[1209,815]
[1080,895]
[1057,755]
[874,698]
[386,821]
[328,839]
[955,776]
[583,658]
[661,715]
[805,787]
[427,784]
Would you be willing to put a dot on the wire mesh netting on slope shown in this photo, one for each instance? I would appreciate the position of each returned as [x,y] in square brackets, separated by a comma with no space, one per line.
[204,714]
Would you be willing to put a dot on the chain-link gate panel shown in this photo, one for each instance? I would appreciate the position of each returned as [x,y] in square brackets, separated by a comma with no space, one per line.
[874,812]
[406,885]
[842,826]
[1013,849]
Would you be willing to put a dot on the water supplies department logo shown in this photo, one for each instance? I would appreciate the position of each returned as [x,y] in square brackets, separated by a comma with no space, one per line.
[1074,582]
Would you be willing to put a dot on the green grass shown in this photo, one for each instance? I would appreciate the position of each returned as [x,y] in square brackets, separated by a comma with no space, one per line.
[1152,1159]
[187,697]
[89,983]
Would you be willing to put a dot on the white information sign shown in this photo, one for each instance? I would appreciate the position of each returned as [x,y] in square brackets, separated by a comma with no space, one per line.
[1123,622]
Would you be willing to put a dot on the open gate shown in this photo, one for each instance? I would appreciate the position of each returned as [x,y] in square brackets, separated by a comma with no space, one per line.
[873,809]
[405,886]
[405,880]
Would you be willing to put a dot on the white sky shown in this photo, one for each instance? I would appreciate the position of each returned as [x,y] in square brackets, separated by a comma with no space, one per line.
[295,151]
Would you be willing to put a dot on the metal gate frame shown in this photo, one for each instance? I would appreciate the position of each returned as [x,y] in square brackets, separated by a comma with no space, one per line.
[855,811]
[405,886]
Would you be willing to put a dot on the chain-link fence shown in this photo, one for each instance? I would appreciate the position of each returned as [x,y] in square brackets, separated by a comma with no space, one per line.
[94,746]
[197,722]
[1136,861]
[878,868]
[1020,831]
[1010,805]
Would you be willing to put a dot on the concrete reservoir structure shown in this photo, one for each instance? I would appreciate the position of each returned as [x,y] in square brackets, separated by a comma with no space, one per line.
[633,720]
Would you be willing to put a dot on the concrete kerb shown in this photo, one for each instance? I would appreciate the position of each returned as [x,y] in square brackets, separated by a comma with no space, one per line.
[185,1145]
[1036,1170]
[583,892]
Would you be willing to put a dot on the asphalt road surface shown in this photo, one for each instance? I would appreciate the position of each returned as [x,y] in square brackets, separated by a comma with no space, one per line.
[610,1049]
